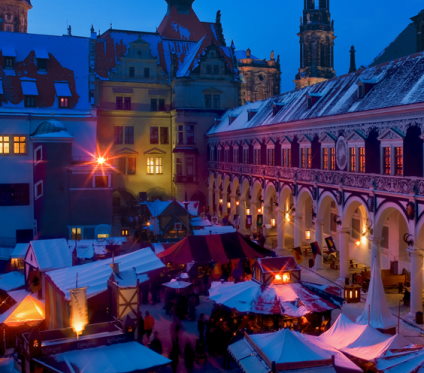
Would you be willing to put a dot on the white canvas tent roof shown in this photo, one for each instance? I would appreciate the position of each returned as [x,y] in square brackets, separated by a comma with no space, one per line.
[287,347]
[361,341]
[95,275]
[376,311]
[409,360]
[116,358]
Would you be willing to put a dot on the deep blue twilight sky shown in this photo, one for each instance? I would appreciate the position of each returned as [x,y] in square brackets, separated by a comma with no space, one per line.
[261,25]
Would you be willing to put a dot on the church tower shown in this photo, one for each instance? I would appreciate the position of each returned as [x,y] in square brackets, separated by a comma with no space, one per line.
[316,44]
[14,15]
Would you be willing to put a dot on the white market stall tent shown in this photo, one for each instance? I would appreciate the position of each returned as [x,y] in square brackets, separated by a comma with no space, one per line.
[287,350]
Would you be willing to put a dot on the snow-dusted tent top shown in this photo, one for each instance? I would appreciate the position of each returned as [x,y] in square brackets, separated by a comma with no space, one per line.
[405,360]
[117,358]
[361,341]
[376,311]
[288,350]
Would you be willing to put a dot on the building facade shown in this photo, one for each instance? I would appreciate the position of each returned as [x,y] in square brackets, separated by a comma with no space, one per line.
[158,94]
[48,141]
[316,44]
[342,158]
[260,78]
[14,15]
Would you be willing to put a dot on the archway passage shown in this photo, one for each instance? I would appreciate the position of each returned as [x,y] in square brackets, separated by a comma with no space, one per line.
[286,224]
[270,217]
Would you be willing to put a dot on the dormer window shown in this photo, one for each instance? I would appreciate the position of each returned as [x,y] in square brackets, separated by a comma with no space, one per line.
[63,94]
[392,152]
[42,58]
[232,118]
[366,85]
[276,108]
[251,114]
[9,62]
[30,91]
[312,99]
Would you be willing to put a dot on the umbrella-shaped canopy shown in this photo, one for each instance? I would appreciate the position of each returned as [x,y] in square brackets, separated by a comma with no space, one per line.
[293,299]
[177,284]
[219,248]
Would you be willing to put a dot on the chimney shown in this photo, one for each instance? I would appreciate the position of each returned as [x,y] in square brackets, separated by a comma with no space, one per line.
[352,67]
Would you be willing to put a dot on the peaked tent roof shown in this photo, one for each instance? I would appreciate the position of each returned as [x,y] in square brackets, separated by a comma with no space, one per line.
[27,309]
[361,341]
[220,248]
[376,312]
[405,360]
[51,254]
[289,350]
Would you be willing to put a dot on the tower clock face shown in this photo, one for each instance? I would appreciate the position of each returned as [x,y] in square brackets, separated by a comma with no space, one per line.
[341,153]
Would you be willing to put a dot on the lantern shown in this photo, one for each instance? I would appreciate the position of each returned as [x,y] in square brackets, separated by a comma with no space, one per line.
[273,223]
[282,278]
[358,243]
[352,293]
[247,211]
[237,203]
[221,201]
[228,205]
[308,234]
[125,232]
[287,217]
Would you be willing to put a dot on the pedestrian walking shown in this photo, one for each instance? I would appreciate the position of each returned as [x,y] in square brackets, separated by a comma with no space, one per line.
[149,323]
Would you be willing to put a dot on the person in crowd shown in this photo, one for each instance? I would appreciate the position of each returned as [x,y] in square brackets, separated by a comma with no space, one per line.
[149,324]
[156,344]
[140,328]
[201,327]
[189,357]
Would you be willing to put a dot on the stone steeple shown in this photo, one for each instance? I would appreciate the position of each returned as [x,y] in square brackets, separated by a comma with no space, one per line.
[352,52]
[14,15]
[316,44]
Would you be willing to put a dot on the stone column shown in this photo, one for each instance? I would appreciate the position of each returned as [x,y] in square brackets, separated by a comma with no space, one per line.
[280,230]
[416,280]
[233,208]
[319,263]
[297,230]
[344,238]
[225,209]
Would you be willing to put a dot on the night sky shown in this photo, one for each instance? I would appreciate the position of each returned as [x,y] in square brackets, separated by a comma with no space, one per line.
[264,25]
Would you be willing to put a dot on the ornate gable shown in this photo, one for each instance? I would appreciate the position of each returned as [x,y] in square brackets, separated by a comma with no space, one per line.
[154,151]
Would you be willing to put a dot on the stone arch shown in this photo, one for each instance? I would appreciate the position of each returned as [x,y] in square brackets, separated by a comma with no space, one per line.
[391,225]
[256,203]
[270,215]
[244,204]
[287,210]
[304,218]
[328,212]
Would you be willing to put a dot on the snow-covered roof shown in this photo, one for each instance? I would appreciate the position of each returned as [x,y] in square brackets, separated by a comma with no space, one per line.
[49,254]
[12,280]
[214,229]
[19,251]
[68,61]
[157,207]
[399,82]
[95,275]
[117,358]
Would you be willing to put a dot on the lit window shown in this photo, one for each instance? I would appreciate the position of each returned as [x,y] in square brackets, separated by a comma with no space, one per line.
[286,157]
[4,144]
[325,159]
[352,157]
[270,157]
[387,160]
[332,159]
[154,166]
[398,161]
[19,144]
[64,102]
[76,233]
[362,159]
[306,158]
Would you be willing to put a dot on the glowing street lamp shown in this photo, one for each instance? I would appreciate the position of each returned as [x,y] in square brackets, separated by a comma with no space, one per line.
[308,234]
[273,222]
[228,205]
[101,160]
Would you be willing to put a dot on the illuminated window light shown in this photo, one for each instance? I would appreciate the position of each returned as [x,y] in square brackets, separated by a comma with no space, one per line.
[228,205]
[247,211]
[308,234]
[273,222]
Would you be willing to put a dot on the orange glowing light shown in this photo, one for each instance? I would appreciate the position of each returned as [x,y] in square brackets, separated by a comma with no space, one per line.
[101,160]
[358,243]
[278,277]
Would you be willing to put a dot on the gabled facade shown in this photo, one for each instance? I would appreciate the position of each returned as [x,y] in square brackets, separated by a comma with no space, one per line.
[164,90]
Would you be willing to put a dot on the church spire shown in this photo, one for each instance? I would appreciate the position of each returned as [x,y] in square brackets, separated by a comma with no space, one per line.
[316,44]
[352,67]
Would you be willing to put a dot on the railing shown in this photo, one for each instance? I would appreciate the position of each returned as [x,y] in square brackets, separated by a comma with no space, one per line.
[382,183]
